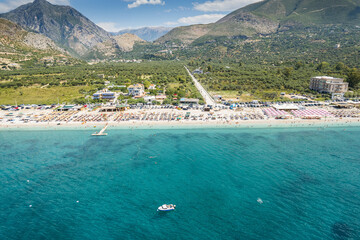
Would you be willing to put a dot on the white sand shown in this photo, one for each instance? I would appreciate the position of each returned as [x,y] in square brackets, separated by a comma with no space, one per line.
[219,123]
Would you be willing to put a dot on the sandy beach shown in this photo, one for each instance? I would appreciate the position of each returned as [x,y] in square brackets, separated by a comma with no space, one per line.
[50,120]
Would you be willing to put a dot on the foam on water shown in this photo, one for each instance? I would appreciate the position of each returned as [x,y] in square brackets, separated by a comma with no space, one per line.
[226,183]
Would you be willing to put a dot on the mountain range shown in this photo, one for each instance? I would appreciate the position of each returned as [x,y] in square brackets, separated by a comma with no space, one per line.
[146,33]
[75,33]
[114,46]
[271,16]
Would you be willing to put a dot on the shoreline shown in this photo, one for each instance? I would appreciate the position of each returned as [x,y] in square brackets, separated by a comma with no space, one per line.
[184,124]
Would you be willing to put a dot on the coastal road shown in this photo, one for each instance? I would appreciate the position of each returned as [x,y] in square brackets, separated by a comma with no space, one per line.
[207,97]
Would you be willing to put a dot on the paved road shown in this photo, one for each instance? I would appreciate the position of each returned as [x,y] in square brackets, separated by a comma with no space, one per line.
[207,97]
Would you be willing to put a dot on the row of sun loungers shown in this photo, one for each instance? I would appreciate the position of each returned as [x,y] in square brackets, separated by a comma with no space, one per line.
[271,112]
[147,117]
[73,117]
[181,116]
[348,113]
[98,117]
[311,113]
[172,115]
[57,117]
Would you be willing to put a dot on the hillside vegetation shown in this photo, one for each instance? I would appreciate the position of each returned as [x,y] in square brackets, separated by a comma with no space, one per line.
[272,16]
[83,80]
[23,49]
[114,47]
[267,81]
[259,50]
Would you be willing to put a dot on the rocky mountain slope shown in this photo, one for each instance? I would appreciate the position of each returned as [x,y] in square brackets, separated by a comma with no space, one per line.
[147,33]
[19,47]
[63,24]
[271,16]
[186,34]
[115,45]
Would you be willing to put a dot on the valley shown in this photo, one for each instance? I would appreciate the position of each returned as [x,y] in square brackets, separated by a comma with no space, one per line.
[191,119]
[256,52]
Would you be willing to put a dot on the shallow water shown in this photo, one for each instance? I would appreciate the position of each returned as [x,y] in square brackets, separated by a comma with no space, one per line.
[226,183]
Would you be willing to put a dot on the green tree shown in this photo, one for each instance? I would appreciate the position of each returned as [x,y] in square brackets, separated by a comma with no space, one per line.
[167,101]
[353,78]
[271,95]
[288,71]
[147,84]
[340,66]
[299,65]
[323,66]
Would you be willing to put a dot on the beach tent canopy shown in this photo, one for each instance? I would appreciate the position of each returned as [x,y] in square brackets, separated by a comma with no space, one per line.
[68,108]
[285,107]
[113,108]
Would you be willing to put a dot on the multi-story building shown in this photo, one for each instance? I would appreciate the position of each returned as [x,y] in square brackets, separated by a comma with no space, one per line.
[96,96]
[329,85]
[104,95]
[108,95]
[152,87]
[136,90]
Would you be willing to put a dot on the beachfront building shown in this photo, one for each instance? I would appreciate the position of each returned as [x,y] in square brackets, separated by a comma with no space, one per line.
[329,85]
[189,101]
[66,108]
[108,95]
[96,96]
[149,99]
[160,97]
[136,90]
[117,108]
[104,94]
[152,87]
[285,107]
[217,97]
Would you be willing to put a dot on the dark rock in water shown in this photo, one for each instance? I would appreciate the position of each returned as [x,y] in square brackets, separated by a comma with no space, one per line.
[342,231]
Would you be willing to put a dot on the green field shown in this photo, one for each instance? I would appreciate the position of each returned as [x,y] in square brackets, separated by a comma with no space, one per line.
[37,95]
[232,79]
[71,84]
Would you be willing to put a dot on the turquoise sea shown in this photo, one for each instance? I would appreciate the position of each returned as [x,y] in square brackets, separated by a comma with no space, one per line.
[299,183]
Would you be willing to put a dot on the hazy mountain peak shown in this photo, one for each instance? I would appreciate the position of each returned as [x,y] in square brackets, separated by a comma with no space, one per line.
[147,33]
[40,2]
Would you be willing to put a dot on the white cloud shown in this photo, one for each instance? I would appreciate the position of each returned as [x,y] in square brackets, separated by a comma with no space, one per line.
[138,3]
[9,5]
[222,5]
[200,19]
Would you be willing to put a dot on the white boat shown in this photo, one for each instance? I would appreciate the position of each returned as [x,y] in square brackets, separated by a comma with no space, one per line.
[167,207]
[101,133]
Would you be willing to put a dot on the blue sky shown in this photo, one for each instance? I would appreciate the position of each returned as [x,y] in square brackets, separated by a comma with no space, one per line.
[114,15]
